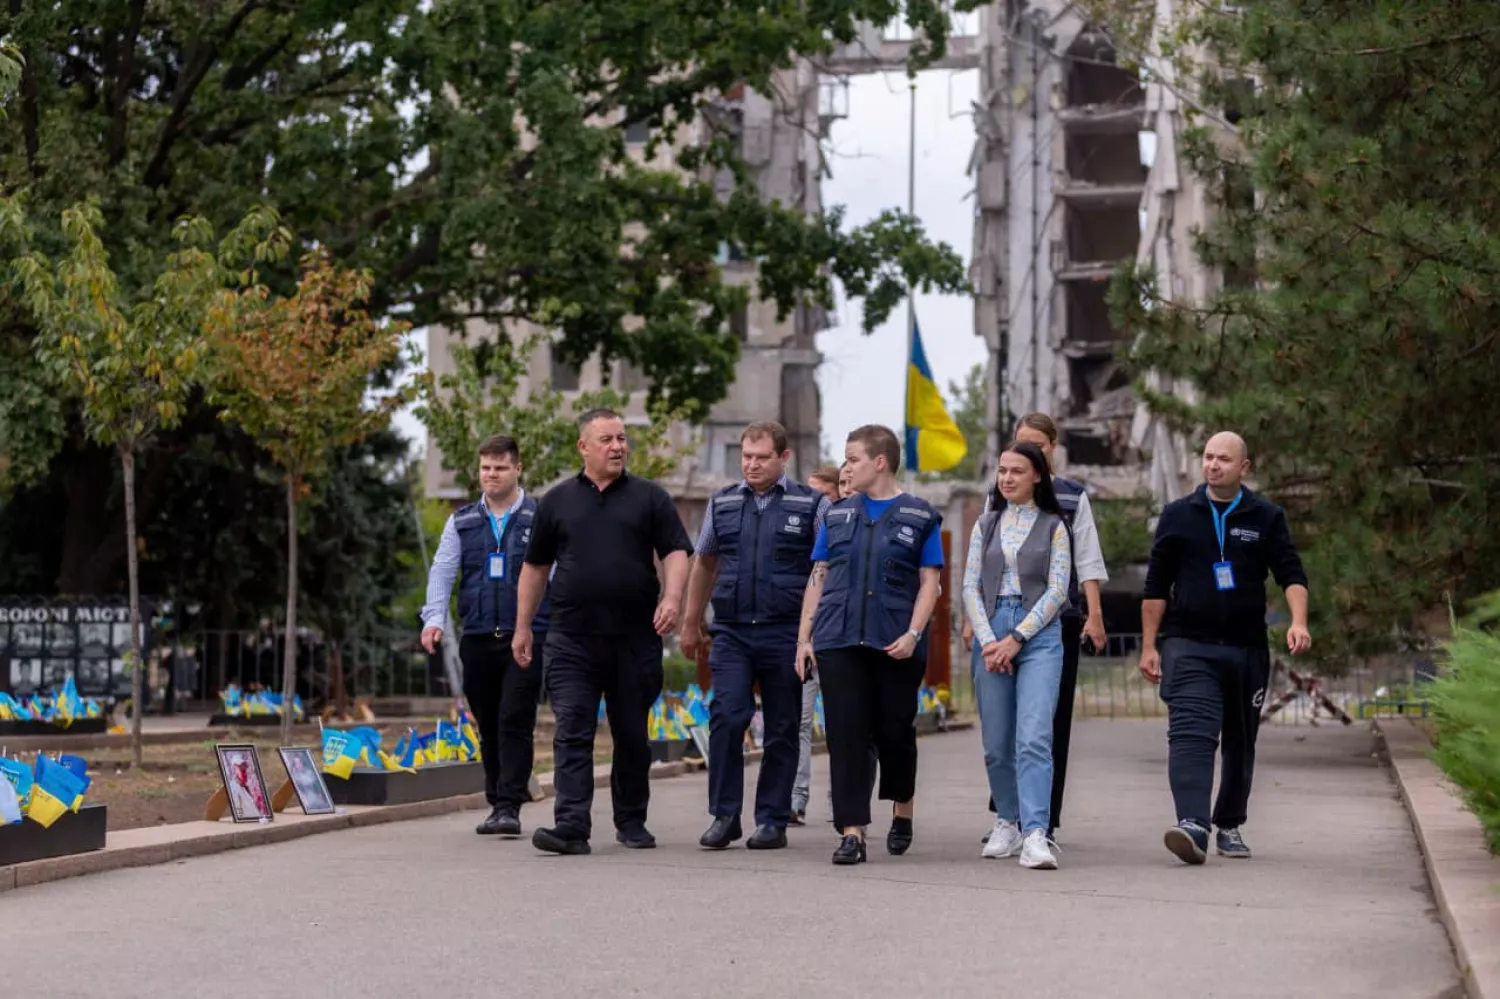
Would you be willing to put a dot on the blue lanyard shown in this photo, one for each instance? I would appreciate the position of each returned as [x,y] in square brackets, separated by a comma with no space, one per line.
[1220,518]
[498,526]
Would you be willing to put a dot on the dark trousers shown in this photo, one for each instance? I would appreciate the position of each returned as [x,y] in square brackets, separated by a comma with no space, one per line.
[1062,719]
[740,656]
[626,671]
[502,698]
[1214,695]
[869,699]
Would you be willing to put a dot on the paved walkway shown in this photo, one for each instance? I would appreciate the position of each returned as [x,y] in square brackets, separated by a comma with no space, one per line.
[1335,903]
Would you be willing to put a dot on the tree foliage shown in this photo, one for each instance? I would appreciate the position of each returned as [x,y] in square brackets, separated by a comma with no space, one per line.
[1361,360]
[469,153]
[293,372]
[481,397]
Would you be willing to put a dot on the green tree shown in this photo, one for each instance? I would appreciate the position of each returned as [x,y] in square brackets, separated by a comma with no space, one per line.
[294,373]
[133,365]
[1354,342]
[481,398]
[470,153]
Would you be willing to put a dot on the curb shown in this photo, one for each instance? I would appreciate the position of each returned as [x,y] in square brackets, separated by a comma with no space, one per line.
[151,845]
[1465,878]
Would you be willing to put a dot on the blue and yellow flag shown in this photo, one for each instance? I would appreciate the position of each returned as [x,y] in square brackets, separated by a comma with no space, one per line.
[933,441]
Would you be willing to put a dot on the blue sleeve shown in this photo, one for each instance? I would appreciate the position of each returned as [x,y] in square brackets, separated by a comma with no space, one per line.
[820,546]
[932,548]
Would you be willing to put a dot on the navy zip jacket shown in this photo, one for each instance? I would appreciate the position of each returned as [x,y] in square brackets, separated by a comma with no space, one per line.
[1257,542]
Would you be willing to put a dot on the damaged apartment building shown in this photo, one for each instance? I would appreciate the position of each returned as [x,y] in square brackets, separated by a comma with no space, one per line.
[1060,181]
[775,377]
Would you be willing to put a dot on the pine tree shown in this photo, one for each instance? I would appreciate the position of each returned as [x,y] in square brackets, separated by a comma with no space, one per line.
[1360,359]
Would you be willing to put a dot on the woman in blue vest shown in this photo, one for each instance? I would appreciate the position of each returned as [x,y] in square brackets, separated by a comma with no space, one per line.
[877,568]
[1015,586]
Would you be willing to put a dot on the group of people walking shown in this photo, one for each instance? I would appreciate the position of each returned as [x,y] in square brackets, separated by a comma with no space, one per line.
[830,585]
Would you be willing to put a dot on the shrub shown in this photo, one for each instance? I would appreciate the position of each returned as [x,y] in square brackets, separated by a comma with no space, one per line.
[1466,701]
[677,672]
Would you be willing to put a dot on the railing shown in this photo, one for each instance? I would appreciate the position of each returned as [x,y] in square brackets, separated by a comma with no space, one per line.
[1111,686]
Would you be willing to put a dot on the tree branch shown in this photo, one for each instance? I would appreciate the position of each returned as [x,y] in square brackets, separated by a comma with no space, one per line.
[238,76]
[119,94]
[1425,43]
[201,61]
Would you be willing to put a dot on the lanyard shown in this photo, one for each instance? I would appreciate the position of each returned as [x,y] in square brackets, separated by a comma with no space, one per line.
[1220,518]
[497,526]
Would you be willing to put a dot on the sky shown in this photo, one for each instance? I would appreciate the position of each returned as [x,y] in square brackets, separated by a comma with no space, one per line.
[862,378]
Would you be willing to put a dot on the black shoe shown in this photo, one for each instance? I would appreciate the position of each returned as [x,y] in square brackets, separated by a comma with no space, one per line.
[555,841]
[507,820]
[1188,841]
[767,838]
[635,838]
[798,818]
[723,832]
[851,851]
[898,840]
[491,824]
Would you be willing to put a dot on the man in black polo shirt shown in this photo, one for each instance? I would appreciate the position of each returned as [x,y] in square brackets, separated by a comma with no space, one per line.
[602,531]
[1206,595]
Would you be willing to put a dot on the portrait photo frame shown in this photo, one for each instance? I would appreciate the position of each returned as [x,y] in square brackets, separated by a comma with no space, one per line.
[244,783]
[305,771]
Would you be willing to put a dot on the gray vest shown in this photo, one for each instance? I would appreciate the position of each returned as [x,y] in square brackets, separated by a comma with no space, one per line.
[1032,562]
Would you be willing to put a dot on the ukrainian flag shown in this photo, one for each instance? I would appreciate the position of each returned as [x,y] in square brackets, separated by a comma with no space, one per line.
[933,441]
[340,753]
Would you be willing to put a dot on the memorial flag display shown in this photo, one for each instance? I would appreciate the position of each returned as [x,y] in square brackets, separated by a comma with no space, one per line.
[43,791]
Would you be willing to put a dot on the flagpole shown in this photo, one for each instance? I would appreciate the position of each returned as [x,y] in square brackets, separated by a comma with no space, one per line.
[911,209]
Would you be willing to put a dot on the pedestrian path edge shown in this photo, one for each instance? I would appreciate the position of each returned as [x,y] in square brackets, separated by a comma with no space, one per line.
[1465,877]
[166,844]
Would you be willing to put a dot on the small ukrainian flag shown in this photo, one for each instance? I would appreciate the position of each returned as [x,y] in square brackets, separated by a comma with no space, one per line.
[933,441]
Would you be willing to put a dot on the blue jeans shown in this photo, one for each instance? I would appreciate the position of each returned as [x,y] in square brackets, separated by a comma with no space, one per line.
[1015,719]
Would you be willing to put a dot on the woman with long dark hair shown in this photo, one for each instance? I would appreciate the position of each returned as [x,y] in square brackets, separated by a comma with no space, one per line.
[1015,586]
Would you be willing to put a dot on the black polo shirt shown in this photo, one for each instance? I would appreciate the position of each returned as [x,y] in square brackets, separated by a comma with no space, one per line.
[603,543]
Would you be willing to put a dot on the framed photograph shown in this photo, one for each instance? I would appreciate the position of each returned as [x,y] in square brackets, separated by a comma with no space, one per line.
[249,801]
[307,780]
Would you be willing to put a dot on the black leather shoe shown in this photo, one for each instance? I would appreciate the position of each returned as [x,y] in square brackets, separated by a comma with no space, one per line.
[850,851]
[554,841]
[767,838]
[509,821]
[636,838]
[721,833]
[491,824]
[898,840]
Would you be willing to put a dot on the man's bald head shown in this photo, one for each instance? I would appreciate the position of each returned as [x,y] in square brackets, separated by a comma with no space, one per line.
[1226,460]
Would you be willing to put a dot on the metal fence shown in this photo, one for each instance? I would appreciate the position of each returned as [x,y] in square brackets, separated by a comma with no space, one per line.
[191,669]
[1111,686]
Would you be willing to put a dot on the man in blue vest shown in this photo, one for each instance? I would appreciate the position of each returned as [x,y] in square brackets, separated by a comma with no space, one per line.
[754,551]
[481,548]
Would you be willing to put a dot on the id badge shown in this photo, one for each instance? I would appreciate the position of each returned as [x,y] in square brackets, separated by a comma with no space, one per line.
[497,565]
[1224,575]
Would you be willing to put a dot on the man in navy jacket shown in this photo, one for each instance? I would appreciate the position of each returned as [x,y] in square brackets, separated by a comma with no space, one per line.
[1205,600]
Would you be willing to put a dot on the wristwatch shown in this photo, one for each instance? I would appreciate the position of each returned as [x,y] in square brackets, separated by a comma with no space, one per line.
[1020,638]
[916,634]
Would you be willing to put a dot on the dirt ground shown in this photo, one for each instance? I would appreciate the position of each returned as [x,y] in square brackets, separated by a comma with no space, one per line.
[176,781]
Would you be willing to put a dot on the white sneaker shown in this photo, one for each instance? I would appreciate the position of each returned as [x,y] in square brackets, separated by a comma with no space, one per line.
[1004,840]
[1036,852]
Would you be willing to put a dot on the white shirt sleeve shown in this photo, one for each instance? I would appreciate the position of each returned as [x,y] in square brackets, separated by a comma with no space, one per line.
[1088,557]
[441,577]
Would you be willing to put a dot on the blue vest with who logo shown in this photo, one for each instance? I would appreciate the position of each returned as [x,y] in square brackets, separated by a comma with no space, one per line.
[765,556]
[873,573]
[488,606]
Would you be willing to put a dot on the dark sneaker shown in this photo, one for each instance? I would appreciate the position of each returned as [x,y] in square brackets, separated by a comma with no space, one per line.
[851,851]
[767,838]
[898,840]
[719,835]
[1230,843]
[555,841]
[1188,841]
[635,838]
[507,821]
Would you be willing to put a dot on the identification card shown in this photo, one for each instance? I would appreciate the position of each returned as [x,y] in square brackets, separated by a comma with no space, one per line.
[497,565]
[1224,575]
